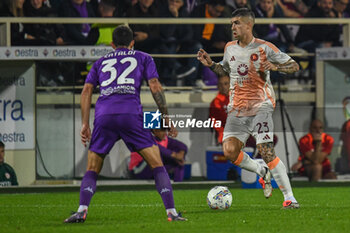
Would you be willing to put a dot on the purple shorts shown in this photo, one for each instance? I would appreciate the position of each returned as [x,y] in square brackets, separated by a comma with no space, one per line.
[110,128]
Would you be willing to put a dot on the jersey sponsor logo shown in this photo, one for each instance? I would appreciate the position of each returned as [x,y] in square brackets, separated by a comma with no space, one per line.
[7,175]
[254,57]
[242,69]
[126,89]
[151,120]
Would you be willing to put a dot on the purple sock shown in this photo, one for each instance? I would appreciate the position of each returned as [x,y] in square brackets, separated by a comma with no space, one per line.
[163,186]
[88,187]
[179,173]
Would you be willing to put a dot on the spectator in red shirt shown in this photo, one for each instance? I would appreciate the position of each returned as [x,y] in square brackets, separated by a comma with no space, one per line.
[345,133]
[315,147]
[345,137]
[218,106]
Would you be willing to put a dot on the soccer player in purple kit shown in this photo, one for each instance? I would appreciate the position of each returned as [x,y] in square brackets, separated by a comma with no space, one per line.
[118,115]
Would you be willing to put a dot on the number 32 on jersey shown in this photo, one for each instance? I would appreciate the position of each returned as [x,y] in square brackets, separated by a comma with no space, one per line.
[108,66]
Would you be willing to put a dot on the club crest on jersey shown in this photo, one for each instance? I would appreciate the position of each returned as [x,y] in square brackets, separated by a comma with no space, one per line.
[242,69]
[233,58]
[254,57]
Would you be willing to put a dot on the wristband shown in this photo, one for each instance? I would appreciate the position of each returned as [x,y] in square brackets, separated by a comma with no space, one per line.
[212,67]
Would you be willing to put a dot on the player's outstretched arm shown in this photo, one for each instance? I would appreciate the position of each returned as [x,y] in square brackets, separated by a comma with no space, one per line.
[288,67]
[85,105]
[158,95]
[205,59]
[159,98]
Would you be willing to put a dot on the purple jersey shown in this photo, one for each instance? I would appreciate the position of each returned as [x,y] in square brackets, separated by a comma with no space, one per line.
[119,75]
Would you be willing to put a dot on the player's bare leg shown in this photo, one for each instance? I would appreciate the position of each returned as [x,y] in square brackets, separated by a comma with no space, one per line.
[279,173]
[87,187]
[233,151]
[162,180]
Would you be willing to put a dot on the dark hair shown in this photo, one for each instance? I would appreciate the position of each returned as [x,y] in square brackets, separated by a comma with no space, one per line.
[2,145]
[217,2]
[244,12]
[122,36]
[108,3]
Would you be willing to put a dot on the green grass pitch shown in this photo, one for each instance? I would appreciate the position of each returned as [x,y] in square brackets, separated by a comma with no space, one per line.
[323,209]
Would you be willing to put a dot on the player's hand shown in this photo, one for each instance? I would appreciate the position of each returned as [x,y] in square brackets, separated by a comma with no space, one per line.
[59,41]
[173,10]
[179,157]
[204,58]
[296,166]
[269,66]
[140,36]
[85,134]
[172,132]
[316,136]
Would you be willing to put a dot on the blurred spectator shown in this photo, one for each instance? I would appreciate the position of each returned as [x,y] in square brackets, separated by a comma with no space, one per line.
[213,37]
[172,152]
[14,8]
[218,106]
[315,147]
[293,8]
[147,37]
[310,3]
[190,5]
[343,163]
[340,8]
[123,6]
[43,34]
[101,34]
[54,4]
[178,39]
[77,33]
[347,10]
[7,174]
[48,73]
[310,37]
[278,34]
[235,4]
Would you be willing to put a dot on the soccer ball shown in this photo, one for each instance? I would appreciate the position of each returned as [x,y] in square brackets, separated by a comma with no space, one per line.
[219,197]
